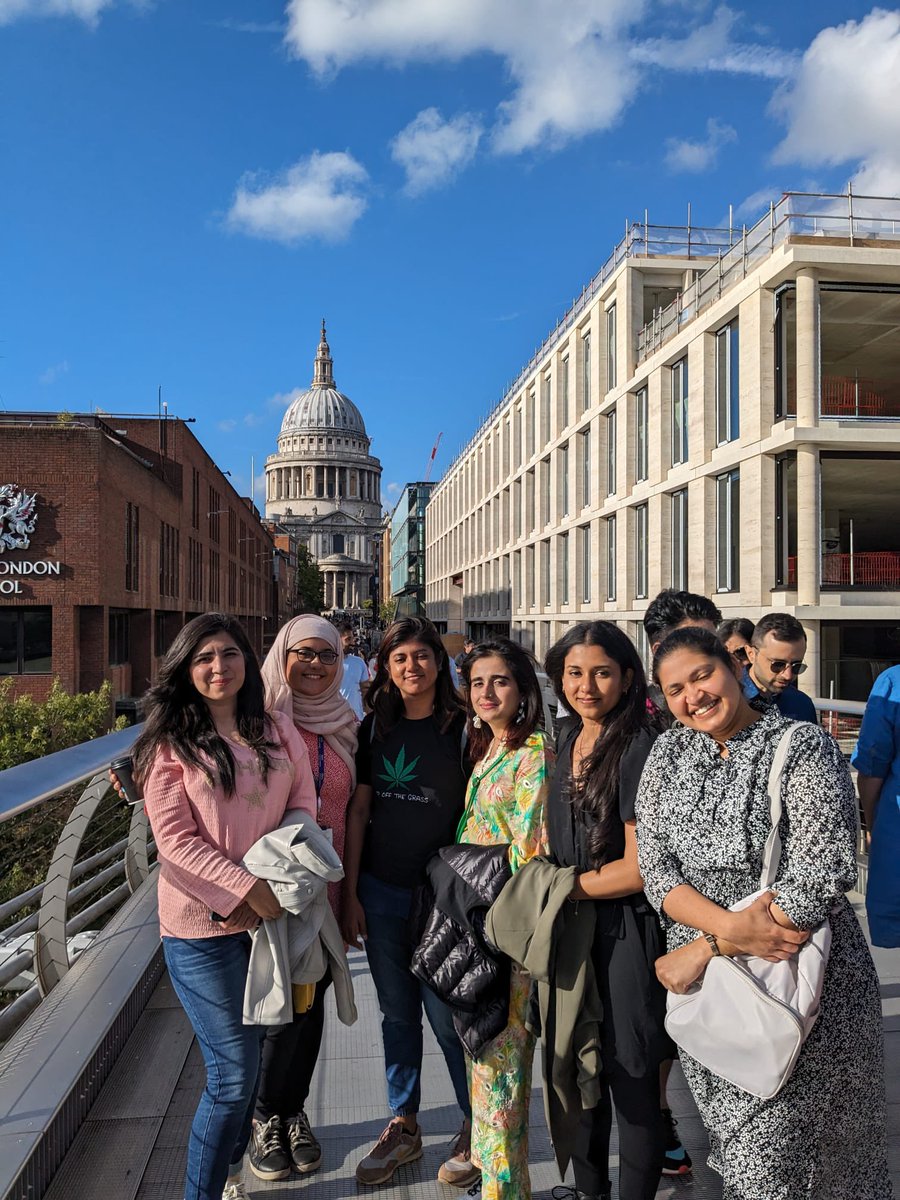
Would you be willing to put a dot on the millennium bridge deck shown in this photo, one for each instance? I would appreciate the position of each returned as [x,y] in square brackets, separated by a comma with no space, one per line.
[132,1144]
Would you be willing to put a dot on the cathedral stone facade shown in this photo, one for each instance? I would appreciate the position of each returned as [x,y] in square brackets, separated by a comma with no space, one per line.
[325,486]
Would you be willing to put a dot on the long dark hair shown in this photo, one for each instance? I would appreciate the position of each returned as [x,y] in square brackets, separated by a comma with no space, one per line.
[384,698]
[177,715]
[595,793]
[521,666]
[692,637]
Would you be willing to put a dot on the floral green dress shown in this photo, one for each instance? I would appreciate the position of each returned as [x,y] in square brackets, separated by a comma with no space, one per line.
[506,804]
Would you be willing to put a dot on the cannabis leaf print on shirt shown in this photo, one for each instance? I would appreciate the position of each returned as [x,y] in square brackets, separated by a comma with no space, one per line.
[399,773]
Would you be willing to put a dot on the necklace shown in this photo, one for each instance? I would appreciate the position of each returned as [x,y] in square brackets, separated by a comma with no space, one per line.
[580,752]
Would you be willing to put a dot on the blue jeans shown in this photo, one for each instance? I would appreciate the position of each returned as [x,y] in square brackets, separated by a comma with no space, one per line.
[208,975]
[401,998]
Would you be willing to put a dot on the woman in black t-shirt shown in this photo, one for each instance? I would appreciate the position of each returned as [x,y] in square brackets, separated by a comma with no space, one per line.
[411,772]
[596,672]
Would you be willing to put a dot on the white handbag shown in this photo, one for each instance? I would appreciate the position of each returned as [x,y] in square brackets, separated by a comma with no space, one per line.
[746,1019]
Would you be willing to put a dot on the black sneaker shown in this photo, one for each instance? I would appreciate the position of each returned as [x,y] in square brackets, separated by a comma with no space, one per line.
[677,1161]
[305,1151]
[268,1151]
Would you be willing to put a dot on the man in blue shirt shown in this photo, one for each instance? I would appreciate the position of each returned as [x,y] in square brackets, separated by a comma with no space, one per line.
[776,656]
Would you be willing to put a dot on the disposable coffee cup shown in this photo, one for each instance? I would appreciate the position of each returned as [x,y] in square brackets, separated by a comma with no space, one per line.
[122,768]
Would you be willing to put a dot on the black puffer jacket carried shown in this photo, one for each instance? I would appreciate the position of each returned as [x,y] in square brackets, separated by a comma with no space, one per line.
[453,957]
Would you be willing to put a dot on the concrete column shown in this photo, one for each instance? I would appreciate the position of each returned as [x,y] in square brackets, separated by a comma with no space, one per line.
[808,376]
[808,533]
[810,682]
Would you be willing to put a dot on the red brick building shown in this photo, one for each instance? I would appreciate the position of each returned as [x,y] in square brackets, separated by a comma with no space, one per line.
[132,530]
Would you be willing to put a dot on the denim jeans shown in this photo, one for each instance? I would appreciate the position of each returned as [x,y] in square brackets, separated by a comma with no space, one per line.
[401,998]
[208,975]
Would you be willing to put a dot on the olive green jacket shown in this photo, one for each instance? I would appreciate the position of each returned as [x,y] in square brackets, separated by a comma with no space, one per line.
[534,923]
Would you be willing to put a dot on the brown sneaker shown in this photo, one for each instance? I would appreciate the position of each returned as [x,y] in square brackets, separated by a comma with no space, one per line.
[395,1147]
[459,1170]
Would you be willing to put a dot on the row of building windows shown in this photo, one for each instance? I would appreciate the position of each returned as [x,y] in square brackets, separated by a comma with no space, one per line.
[527,580]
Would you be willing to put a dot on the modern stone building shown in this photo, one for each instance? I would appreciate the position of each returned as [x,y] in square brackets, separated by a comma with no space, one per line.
[325,486]
[719,411]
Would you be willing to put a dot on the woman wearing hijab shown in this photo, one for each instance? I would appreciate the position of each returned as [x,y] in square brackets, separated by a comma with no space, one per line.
[302,674]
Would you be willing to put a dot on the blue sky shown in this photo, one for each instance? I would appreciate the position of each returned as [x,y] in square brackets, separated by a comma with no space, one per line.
[188,186]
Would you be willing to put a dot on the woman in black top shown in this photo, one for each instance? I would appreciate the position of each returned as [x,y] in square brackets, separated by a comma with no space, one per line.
[411,775]
[602,747]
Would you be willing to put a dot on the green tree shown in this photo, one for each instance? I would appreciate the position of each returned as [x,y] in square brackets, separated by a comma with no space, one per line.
[387,611]
[309,586]
[30,730]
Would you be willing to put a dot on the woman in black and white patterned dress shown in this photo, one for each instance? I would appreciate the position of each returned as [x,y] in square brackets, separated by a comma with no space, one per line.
[702,824]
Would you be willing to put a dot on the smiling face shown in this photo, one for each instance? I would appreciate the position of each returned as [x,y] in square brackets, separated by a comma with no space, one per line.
[703,693]
[311,678]
[493,693]
[774,653]
[217,669]
[413,669]
[593,683]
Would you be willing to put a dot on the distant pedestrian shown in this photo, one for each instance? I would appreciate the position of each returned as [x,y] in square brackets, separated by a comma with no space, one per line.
[776,653]
[877,761]
[468,647]
[355,670]
[736,634]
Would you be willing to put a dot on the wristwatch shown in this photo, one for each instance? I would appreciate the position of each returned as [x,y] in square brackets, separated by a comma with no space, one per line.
[713,944]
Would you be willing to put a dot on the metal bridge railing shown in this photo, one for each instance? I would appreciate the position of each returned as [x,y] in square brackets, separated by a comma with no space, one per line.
[71,853]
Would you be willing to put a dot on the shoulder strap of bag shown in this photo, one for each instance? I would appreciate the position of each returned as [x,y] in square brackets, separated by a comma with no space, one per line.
[772,855]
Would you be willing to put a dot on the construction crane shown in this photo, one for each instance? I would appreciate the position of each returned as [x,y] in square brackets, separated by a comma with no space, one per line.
[434,450]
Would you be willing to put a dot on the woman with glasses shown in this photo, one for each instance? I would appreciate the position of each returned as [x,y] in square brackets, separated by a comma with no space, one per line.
[302,674]
[736,635]
[703,821]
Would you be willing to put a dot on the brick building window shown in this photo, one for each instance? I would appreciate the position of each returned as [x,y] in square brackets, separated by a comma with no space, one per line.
[26,640]
[215,512]
[215,579]
[195,570]
[168,560]
[232,532]
[119,621]
[232,586]
[195,498]
[132,547]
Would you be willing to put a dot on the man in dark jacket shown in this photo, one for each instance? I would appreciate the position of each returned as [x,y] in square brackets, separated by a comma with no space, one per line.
[776,654]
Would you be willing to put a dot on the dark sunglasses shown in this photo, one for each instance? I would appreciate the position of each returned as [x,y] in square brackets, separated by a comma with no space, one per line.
[740,654]
[325,657]
[797,665]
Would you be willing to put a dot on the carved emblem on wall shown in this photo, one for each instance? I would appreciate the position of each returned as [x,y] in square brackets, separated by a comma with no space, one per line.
[18,517]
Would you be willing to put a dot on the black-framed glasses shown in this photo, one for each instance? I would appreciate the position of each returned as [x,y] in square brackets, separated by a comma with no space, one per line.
[307,655]
[740,653]
[797,665]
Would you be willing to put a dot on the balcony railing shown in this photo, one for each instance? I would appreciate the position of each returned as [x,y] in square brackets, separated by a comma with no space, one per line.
[872,570]
[856,397]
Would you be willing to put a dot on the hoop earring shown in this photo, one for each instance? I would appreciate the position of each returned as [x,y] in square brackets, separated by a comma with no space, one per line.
[476,722]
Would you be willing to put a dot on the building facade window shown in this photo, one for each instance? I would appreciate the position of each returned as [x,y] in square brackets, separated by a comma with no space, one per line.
[727,384]
[610,558]
[641,435]
[530,501]
[26,641]
[119,651]
[195,498]
[611,365]
[786,521]
[611,453]
[564,392]
[586,372]
[679,413]
[529,574]
[586,478]
[195,570]
[585,537]
[545,491]
[132,547]
[215,579]
[641,551]
[545,409]
[545,572]
[214,513]
[679,516]
[728,531]
[563,567]
[564,480]
[168,560]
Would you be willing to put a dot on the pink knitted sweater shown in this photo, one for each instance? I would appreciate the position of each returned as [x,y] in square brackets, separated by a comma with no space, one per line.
[201,834]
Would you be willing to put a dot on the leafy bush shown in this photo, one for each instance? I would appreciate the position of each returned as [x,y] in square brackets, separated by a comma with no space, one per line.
[30,730]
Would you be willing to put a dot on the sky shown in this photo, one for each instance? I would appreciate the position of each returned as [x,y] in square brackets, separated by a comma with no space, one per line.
[187,187]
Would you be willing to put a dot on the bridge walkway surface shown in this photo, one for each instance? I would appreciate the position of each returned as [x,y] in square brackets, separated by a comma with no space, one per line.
[132,1145]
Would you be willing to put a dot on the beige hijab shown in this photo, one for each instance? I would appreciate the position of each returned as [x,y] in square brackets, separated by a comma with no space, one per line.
[328,714]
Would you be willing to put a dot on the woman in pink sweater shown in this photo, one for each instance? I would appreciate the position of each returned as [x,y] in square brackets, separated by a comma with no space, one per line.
[217,772]
[302,674]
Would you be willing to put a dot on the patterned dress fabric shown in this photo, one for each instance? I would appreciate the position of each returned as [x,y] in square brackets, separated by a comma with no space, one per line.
[703,820]
[505,804]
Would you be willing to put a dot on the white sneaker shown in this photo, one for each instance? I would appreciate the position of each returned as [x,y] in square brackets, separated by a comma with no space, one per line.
[235,1191]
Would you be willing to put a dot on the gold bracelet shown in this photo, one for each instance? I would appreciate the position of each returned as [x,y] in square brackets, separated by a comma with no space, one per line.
[713,944]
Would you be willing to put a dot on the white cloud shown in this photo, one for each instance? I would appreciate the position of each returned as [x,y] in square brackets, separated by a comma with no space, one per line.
[711,47]
[85,10]
[318,197]
[685,155]
[573,70]
[280,401]
[842,106]
[226,426]
[54,372]
[752,207]
[432,150]
[393,490]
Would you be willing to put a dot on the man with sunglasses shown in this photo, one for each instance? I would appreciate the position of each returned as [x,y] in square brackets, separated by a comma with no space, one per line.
[775,660]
